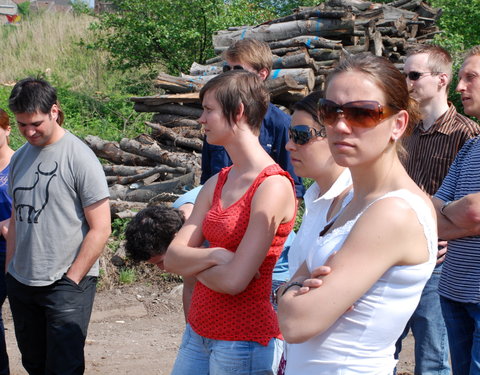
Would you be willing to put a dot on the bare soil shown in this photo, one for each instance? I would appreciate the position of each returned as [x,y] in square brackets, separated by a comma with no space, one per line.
[137,330]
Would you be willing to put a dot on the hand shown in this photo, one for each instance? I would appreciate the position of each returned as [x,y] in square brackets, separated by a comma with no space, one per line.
[442,251]
[4,227]
[315,279]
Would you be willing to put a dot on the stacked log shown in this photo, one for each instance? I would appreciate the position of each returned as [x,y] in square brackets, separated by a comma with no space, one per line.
[149,169]
[305,46]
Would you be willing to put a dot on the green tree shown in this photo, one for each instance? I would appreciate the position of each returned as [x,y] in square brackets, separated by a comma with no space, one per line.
[459,23]
[172,33]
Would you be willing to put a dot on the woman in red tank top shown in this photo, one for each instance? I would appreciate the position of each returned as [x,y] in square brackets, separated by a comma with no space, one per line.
[245,212]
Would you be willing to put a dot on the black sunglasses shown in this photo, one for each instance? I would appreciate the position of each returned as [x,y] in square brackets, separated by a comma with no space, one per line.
[302,134]
[360,113]
[227,68]
[414,76]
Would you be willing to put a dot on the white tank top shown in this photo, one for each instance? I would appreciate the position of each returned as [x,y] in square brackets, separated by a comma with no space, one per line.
[362,341]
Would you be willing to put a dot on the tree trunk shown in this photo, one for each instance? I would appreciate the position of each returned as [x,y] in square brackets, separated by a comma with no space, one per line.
[112,152]
[164,132]
[206,70]
[147,192]
[310,41]
[176,84]
[303,77]
[173,109]
[164,99]
[173,121]
[286,30]
[299,60]
[154,152]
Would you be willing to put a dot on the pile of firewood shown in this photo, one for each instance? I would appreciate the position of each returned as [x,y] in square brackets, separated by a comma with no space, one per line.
[149,169]
[306,45]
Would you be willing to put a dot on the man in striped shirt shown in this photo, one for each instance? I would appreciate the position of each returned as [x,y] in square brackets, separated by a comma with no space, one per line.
[457,203]
[431,149]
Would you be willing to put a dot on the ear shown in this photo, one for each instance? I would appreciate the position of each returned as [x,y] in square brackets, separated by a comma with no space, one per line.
[8,130]
[240,113]
[443,79]
[399,125]
[263,74]
[54,112]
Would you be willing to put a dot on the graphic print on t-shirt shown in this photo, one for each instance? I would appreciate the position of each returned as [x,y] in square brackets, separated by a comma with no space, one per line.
[31,200]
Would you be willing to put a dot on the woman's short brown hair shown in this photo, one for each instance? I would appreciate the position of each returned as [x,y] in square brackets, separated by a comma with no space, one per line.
[239,86]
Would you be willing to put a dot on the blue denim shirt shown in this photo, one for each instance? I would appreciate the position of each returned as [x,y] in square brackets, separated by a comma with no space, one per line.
[273,137]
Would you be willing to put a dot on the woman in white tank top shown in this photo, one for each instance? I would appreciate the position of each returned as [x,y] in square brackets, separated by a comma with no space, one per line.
[381,246]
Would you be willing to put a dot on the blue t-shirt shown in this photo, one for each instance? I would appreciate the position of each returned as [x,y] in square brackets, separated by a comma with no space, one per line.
[5,203]
[273,138]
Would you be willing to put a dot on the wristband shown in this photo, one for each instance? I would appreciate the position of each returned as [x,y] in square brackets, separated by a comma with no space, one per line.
[444,206]
[294,283]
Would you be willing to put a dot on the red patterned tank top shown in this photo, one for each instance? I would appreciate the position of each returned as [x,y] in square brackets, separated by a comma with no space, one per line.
[247,316]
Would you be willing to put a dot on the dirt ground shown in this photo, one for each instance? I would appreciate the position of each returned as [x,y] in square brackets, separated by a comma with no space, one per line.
[137,330]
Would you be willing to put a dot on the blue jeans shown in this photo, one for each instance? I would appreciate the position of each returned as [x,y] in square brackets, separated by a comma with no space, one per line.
[463,326]
[428,329]
[201,356]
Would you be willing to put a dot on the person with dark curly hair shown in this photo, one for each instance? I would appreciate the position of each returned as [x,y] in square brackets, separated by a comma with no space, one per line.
[150,232]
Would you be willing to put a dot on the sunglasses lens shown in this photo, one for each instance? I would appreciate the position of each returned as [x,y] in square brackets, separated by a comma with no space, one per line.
[227,68]
[300,134]
[413,76]
[328,111]
[361,114]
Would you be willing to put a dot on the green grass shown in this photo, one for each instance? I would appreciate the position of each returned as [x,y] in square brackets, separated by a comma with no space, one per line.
[127,276]
[55,46]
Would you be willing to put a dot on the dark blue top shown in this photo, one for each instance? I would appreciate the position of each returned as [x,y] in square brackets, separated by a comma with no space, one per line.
[273,137]
[5,204]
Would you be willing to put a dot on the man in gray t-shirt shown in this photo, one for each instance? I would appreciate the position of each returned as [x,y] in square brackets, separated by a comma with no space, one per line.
[59,226]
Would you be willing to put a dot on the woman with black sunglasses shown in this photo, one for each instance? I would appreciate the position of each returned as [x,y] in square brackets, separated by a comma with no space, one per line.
[311,158]
[381,247]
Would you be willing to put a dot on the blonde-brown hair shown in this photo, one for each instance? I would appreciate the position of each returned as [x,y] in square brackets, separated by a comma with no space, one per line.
[253,52]
[439,59]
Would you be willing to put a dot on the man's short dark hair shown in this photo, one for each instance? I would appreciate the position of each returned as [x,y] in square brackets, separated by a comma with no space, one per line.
[150,232]
[31,95]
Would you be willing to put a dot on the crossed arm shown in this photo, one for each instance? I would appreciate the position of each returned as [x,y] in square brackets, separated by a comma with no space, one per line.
[461,218]
[220,269]
[364,257]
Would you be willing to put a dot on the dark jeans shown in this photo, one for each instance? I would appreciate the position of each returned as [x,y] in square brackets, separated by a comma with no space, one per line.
[51,324]
[4,369]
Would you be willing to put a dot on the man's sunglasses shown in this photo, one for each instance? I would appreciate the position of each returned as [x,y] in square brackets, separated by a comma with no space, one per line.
[415,76]
[360,113]
[227,68]
[302,134]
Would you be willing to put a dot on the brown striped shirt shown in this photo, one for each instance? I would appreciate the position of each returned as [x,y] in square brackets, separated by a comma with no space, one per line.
[431,152]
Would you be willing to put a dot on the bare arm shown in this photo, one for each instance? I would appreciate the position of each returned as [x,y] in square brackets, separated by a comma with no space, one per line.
[185,256]
[461,218]
[10,241]
[397,241]
[188,285]
[272,204]
[98,219]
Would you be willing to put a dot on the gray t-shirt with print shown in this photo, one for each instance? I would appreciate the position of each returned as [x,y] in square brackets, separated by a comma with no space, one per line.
[50,187]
